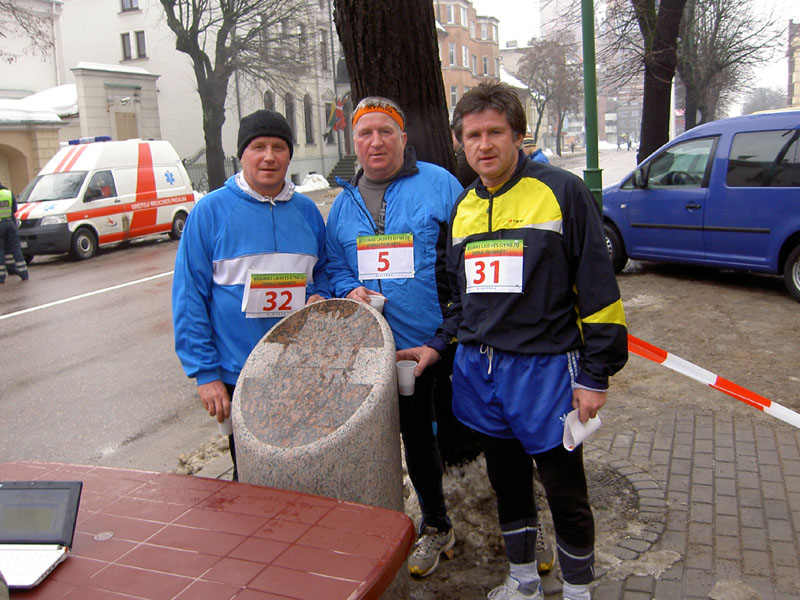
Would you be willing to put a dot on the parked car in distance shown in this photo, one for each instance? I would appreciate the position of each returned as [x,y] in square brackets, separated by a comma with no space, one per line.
[723,194]
[95,192]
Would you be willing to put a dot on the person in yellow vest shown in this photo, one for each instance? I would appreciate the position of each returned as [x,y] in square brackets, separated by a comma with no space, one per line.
[9,239]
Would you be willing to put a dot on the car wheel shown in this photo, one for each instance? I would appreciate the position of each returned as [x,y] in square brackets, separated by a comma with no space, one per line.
[791,273]
[178,224]
[616,249]
[84,244]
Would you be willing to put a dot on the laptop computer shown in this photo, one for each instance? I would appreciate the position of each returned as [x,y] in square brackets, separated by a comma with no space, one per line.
[37,524]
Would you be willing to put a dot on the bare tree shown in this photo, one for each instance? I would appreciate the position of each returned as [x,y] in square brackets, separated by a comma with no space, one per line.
[721,42]
[391,50]
[764,99]
[537,71]
[20,22]
[264,40]
[567,90]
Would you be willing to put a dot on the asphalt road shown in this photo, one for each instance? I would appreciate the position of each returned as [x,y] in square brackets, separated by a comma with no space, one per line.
[89,374]
[94,379]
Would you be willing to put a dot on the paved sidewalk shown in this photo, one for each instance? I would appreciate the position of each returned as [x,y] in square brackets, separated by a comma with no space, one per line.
[732,488]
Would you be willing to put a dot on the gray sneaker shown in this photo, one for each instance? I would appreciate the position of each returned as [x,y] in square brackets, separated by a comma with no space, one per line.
[430,545]
[545,557]
[510,591]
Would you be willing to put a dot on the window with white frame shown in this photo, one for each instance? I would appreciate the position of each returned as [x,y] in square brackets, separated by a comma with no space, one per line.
[453,95]
[465,57]
[484,31]
[485,66]
[497,67]
[463,16]
[323,50]
[448,11]
[472,29]
[474,65]
[125,38]
[451,54]
[129,5]
[141,46]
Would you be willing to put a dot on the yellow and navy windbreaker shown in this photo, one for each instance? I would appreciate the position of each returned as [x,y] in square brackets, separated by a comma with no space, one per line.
[570,298]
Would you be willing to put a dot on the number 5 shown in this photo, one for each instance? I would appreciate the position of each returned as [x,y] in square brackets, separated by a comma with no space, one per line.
[383,261]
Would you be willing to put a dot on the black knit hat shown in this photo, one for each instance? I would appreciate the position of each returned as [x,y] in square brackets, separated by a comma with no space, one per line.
[267,123]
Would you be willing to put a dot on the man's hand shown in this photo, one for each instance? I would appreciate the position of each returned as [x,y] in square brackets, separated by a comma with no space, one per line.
[588,402]
[314,298]
[215,398]
[424,355]
[361,294]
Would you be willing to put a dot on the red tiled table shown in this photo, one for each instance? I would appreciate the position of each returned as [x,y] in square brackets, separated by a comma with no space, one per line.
[161,536]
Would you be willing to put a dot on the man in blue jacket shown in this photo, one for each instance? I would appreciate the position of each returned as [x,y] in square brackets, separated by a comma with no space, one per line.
[253,229]
[382,234]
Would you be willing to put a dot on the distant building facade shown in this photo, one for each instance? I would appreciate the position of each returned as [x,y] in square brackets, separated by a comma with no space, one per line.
[132,82]
[468,48]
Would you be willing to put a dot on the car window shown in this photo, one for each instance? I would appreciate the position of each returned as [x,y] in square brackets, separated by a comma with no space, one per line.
[682,165]
[56,186]
[764,159]
[101,185]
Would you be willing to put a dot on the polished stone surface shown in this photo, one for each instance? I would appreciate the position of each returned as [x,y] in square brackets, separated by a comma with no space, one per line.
[315,408]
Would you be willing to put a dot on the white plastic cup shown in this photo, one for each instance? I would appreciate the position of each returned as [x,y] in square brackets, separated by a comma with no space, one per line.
[226,427]
[376,302]
[405,376]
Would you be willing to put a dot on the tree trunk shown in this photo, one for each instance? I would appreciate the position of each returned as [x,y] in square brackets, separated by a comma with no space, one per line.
[690,110]
[391,50]
[660,62]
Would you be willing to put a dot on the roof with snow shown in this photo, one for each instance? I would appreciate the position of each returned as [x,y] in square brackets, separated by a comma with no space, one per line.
[90,66]
[508,78]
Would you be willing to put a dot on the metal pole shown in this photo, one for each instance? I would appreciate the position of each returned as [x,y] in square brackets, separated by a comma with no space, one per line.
[592,174]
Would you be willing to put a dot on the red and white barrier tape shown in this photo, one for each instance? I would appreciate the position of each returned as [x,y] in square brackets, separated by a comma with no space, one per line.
[692,371]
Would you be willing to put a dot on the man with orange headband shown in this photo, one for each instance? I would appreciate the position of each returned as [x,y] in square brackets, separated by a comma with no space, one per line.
[381,240]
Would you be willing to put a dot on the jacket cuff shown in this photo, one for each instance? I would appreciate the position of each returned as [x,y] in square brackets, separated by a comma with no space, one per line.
[590,383]
[437,344]
[203,377]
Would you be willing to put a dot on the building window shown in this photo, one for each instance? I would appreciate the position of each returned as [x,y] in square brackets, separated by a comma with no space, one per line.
[451,54]
[269,100]
[453,95]
[463,16]
[465,57]
[448,11]
[308,118]
[128,5]
[497,67]
[472,29]
[302,44]
[484,31]
[126,46]
[288,102]
[141,47]
[323,50]
[474,65]
[485,66]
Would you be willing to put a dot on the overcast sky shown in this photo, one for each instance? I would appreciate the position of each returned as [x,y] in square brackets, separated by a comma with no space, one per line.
[519,20]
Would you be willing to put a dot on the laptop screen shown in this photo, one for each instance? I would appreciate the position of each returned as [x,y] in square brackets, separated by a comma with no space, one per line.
[38,512]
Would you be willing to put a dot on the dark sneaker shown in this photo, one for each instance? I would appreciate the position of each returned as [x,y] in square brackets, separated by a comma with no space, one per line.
[430,545]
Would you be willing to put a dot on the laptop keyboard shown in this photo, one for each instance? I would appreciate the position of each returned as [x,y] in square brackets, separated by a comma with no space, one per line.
[23,565]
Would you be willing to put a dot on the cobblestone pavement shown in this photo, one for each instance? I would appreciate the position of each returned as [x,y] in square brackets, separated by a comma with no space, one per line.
[732,515]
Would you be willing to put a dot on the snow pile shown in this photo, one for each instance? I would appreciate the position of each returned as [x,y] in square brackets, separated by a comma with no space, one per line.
[312,183]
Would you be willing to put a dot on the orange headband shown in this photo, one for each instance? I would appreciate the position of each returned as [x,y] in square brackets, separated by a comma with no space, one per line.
[387,110]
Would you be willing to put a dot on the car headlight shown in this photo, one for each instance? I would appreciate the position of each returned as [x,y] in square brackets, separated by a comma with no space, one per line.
[54,220]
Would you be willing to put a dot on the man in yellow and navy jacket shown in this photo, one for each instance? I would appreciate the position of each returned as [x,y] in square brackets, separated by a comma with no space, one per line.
[536,310]
[9,238]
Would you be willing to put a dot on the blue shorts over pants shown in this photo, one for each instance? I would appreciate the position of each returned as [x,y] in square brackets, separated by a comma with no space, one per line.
[509,395]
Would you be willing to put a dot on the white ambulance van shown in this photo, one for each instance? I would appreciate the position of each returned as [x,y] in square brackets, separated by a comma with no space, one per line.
[95,192]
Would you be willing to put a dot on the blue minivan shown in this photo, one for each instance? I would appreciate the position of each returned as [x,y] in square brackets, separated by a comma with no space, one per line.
[723,194]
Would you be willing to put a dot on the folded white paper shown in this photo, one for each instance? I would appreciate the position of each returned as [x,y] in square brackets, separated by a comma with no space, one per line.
[576,432]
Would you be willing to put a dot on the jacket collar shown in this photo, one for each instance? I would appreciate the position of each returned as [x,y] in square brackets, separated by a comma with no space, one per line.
[481,190]
[283,196]
[409,167]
